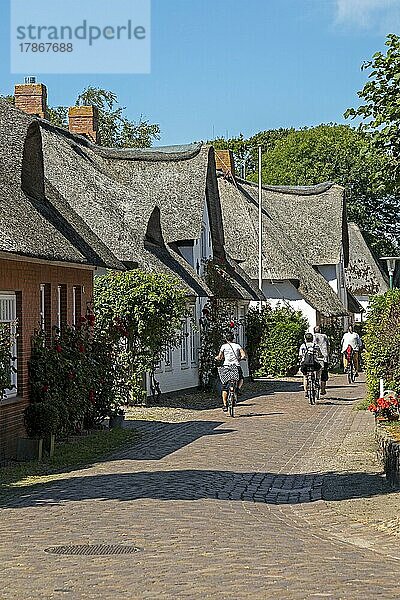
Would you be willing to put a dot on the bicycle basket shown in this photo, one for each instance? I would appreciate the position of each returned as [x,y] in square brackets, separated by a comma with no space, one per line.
[227,374]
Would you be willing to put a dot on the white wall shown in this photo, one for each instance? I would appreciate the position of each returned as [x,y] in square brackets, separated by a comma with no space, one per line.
[364,301]
[329,273]
[179,370]
[283,293]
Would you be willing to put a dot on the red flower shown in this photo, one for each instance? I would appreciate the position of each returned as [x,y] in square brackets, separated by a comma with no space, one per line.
[91,396]
[81,348]
[45,388]
[91,320]
[58,348]
[232,324]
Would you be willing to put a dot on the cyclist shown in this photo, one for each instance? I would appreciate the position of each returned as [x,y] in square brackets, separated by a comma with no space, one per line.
[351,343]
[311,359]
[231,353]
[322,340]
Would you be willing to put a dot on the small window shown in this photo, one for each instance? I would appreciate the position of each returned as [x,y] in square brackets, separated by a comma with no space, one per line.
[76,304]
[8,322]
[168,358]
[184,343]
[61,306]
[193,337]
[45,309]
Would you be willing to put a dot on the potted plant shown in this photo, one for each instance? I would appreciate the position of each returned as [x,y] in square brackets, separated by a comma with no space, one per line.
[385,408]
[41,421]
[117,417]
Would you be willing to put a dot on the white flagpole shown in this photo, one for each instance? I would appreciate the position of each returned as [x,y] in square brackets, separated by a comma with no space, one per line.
[260,275]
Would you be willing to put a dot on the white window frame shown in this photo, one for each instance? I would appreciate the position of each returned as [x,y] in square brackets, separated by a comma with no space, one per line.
[242,328]
[8,314]
[74,317]
[42,306]
[59,307]
[193,337]
[168,358]
[184,345]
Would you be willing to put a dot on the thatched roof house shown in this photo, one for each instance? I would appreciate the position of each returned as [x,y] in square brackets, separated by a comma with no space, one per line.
[363,275]
[282,258]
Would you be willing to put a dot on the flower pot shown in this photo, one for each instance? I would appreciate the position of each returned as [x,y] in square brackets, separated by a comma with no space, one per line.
[116,422]
[29,449]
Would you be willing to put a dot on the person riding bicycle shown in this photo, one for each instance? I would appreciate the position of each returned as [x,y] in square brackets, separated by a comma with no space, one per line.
[231,353]
[351,345]
[322,340]
[311,359]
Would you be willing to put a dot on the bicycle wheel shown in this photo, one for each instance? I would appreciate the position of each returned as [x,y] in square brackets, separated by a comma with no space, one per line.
[350,372]
[311,388]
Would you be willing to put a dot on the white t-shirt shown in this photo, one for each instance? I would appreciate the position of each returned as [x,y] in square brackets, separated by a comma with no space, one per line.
[351,339]
[231,353]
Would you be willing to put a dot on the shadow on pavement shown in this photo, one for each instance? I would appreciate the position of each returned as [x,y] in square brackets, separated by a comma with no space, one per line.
[174,437]
[190,485]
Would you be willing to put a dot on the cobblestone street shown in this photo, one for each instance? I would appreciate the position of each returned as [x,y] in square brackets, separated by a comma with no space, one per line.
[275,503]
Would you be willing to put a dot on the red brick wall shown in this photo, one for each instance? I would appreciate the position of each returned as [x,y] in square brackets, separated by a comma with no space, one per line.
[25,279]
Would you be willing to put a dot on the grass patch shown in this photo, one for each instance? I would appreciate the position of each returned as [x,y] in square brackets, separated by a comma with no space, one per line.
[362,404]
[68,456]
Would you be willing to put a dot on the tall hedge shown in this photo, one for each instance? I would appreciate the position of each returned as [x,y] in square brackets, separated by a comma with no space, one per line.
[274,337]
[382,342]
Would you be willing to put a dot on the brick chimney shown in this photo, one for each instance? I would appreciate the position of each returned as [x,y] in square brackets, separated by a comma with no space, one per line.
[224,162]
[84,120]
[31,98]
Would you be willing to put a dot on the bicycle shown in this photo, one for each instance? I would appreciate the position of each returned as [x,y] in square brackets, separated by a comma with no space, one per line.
[230,375]
[313,387]
[350,369]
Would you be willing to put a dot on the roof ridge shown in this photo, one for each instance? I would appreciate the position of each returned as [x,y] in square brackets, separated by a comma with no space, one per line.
[300,190]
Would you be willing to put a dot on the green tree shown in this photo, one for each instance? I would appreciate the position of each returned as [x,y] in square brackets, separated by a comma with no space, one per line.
[245,151]
[380,110]
[344,155]
[143,313]
[115,129]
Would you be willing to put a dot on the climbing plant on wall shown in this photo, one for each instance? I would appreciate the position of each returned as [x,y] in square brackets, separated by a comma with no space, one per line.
[143,312]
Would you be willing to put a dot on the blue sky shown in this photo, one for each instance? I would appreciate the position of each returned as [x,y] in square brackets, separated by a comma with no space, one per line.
[221,67]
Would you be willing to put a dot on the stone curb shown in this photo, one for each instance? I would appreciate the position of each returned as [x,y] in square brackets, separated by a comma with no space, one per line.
[388,453]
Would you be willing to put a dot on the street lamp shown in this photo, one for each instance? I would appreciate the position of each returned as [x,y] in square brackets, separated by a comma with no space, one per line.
[391,266]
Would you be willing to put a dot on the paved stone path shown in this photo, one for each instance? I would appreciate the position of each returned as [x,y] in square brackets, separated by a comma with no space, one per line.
[220,508]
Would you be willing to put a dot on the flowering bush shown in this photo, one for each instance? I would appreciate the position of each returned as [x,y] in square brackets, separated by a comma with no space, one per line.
[387,406]
[74,373]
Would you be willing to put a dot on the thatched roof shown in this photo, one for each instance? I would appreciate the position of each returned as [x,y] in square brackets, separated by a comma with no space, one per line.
[313,216]
[282,259]
[228,280]
[180,180]
[31,225]
[117,213]
[363,275]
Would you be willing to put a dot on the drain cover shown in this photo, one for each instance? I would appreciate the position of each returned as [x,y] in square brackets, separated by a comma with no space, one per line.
[93,549]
